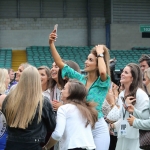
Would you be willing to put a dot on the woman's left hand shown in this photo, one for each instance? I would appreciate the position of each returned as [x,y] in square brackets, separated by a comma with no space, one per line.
[131,120]
[99,49]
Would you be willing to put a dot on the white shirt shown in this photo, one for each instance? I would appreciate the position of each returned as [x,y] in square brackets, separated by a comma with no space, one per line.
[142,102]
[47,94]
[70,129]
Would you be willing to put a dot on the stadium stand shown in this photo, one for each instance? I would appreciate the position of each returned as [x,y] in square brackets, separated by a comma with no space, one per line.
[38,55]
[5,58]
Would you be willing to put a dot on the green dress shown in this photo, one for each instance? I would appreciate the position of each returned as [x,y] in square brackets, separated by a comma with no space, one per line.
[98,90]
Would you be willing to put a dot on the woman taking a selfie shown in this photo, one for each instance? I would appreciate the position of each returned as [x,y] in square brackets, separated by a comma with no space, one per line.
[74,119]
[29,115]
[97,82]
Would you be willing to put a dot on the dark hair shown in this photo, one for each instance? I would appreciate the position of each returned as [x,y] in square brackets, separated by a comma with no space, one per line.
[77,97]
[137,79]
[60,80]
[47,71]
[146,58]
[71,64]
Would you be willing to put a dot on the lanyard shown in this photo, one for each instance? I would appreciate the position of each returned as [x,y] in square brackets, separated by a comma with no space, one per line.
[124,113]
[56,94]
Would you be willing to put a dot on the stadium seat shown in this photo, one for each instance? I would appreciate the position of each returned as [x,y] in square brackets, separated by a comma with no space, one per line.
[5,58]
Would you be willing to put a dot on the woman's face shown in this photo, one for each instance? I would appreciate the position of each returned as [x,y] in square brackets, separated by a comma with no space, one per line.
[65,92]
[44,77]
[19,72]
[146,79]
[7,81]
[91,63]
[126,76]
[54,71]
[11,75]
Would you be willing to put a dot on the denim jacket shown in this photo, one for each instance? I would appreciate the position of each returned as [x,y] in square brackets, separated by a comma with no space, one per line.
[36,132]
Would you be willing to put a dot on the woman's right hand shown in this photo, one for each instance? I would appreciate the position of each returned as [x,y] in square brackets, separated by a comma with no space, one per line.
[52,37]
[130,108]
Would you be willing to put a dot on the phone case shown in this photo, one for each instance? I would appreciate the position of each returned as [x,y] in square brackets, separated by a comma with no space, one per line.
[55,27]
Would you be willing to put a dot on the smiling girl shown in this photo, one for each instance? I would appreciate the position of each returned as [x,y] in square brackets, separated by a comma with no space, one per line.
[45,80]
[131,80]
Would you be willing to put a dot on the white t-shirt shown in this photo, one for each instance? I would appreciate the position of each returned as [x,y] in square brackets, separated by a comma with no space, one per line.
[70,129]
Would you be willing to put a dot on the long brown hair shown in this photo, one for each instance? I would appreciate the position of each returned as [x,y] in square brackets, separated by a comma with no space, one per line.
[23,101]
[137,79]
[106,58]
[77,97]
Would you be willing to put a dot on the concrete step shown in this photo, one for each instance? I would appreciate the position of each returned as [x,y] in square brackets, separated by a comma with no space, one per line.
[18,57]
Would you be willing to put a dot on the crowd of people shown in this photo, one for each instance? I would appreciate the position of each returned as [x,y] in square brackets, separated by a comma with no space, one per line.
[59,108]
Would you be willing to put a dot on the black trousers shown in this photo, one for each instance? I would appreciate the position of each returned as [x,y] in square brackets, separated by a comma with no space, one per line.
[113,142]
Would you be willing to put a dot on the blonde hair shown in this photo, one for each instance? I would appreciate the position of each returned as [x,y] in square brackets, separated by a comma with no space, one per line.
[147,72]
[106,58]
[25,100]
[3,77]
[25,65]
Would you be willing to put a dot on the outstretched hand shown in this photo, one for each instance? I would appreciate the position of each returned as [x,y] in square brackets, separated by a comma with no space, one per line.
[52,37]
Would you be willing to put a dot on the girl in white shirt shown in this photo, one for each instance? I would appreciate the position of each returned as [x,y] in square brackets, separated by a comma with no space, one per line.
[74,119]
[131,80]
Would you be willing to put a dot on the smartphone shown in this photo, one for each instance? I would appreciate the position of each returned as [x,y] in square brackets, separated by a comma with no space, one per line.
[55,27]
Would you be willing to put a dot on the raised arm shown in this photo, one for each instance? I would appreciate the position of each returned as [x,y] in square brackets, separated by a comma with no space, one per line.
[56,56]
[100,49]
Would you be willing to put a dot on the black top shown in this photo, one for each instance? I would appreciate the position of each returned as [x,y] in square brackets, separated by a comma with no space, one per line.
[35,133]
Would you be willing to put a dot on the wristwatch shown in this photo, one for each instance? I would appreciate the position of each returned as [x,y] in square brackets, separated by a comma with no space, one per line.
[100,55]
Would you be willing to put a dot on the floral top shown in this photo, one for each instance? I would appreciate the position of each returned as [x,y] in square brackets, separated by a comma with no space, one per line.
[98,90]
